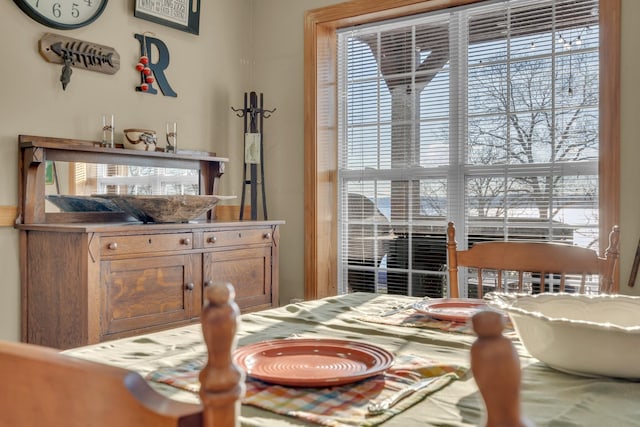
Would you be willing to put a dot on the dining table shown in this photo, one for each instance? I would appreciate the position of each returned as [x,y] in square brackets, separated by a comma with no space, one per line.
[421,343]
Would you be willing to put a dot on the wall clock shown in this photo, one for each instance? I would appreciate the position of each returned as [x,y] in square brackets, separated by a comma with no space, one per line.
[63,14]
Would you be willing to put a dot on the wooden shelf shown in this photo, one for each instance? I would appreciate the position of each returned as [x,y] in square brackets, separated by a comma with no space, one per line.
[36,150]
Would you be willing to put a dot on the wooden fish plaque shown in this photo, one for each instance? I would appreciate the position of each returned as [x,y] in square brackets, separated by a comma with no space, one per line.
[79,54]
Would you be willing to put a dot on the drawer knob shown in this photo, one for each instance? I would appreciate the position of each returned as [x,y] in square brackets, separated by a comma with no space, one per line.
[267,236]
[208,283]
[190,286]
[113,246]
[212,239]
[186,241]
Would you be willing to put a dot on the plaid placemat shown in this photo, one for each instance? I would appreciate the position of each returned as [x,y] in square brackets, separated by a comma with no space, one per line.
[344,405]
[415,319]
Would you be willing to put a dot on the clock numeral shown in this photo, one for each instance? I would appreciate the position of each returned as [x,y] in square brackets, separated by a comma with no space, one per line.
[55,10]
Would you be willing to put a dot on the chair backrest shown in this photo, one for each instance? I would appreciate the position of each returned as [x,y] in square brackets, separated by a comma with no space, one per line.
[41,386]
[545,266]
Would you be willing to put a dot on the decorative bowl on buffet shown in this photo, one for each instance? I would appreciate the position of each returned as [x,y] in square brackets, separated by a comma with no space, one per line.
[589,335]
[177,208]
[70,203]
[140,139]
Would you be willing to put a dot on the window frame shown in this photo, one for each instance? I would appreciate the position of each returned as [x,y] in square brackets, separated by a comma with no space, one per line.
[320,124]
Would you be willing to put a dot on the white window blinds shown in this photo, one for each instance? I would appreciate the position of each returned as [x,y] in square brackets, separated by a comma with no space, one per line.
[485,115]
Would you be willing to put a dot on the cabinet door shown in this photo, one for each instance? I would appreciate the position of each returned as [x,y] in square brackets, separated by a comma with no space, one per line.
[247,269]
[142,293]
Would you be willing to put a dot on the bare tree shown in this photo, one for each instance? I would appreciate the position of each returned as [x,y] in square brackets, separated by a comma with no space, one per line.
[512,122]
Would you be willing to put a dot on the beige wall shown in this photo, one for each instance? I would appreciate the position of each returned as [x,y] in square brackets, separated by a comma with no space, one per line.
[209,72]
[244,45]
[279,73]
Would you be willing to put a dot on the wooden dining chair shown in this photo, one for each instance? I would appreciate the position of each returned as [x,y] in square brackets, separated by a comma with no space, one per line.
[41,386]
[542,266]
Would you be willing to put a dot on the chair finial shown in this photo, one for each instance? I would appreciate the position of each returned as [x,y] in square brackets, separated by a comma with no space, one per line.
[222,382]
[496,369]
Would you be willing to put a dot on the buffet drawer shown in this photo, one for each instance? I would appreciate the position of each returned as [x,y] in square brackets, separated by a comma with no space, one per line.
[145,243]
[213,239]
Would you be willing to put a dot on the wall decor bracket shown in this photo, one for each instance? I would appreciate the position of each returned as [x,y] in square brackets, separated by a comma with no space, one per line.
[78,54]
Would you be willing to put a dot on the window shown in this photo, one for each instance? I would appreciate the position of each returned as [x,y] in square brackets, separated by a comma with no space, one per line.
[486,115]
[321,130]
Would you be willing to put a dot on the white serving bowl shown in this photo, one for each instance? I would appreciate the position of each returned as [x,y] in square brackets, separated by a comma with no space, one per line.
[591,335]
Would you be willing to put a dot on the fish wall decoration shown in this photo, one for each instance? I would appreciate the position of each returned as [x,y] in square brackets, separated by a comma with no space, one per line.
[73,53]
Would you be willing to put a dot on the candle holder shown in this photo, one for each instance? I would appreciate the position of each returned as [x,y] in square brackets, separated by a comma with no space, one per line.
[108,129]
[172,137]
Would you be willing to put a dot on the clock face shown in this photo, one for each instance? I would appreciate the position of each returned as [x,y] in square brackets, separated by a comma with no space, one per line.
[63,14]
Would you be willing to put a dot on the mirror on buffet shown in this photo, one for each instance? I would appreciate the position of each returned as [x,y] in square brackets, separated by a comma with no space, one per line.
[78,187]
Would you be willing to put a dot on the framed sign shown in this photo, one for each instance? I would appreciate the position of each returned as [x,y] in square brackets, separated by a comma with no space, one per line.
[180,14]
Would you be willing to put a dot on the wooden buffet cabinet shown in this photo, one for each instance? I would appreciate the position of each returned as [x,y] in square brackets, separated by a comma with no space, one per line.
[93,276]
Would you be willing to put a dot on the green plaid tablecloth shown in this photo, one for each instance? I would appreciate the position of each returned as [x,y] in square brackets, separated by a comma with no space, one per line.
[344,405]
[549,398]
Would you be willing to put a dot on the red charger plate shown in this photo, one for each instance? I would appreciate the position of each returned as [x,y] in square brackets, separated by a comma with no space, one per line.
[301,362]
[453,310]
